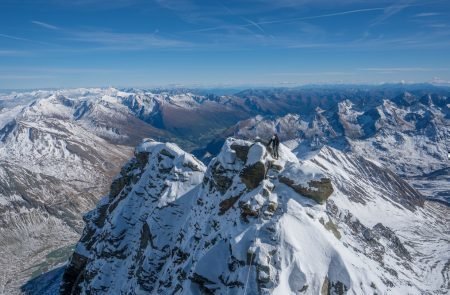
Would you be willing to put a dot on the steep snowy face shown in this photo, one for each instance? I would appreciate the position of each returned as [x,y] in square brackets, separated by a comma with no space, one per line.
[377,213]
[121,229]
[258,225]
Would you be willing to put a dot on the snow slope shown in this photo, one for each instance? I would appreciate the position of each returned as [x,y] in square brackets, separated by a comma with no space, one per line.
[330,224]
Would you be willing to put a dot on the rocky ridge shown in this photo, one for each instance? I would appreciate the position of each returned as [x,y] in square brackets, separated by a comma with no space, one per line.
[285,226]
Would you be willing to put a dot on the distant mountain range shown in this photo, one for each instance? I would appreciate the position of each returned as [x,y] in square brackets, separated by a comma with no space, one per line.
[409,134]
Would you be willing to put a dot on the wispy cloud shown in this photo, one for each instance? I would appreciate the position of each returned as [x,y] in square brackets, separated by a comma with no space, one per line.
[45,25]
[405,69]
[97,4]
[256,25]
[438,25]
[15,38]
[126,41]
[440,81]
[11,37]
[388,13]
[426,14]
[107,40]
[13,52]
[59,70]
[327,73]
[288,20]
[24,77]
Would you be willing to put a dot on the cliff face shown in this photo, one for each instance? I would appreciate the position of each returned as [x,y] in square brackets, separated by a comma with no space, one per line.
[149,183]
[250,224]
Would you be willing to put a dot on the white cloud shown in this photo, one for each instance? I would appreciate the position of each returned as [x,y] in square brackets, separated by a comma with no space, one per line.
[24,77]
[14,37]
[289,20]
[23,39]
[388,13]
[126,41]
[13,52]
[45,25]
[426,14]
[404,69]
[440,81]
[313,74]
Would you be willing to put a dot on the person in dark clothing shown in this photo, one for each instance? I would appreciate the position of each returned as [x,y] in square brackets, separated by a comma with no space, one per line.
[274,143]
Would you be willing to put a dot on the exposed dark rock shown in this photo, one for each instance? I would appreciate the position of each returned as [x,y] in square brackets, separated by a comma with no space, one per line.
[231,284]
[333,287]
[192,166]
[241,151]
[6,130]
[166,153]
[263,274]
[118,184]
[396,244]
[337,288]
[227,204]
[318,190]
[325,287]
[246,210]
[202,282]
[102,213]
[126,178]
[221,181]
[272,207]
[146,238]
[142,158]
[330,226]
[252,175]
[372,247]
[73,274]
[235,263]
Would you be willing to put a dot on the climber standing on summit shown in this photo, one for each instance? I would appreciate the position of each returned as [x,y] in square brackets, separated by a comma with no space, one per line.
[274,143]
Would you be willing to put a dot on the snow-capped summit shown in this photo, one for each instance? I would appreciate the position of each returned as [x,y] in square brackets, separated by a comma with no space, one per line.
[258,225]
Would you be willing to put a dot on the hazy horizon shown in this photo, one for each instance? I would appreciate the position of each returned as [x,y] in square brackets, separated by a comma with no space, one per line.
[230,89]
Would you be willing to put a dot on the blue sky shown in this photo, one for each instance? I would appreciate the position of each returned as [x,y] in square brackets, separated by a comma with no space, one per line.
[136,43]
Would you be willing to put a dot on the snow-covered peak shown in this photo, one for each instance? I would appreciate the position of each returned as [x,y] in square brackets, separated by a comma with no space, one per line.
[167,162]
[256,225]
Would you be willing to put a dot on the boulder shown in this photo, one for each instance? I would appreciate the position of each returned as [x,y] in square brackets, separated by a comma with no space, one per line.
[318,190]
[241,151]
[252,175]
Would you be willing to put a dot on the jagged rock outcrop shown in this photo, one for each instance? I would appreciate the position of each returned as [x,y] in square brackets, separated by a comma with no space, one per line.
[318,188]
